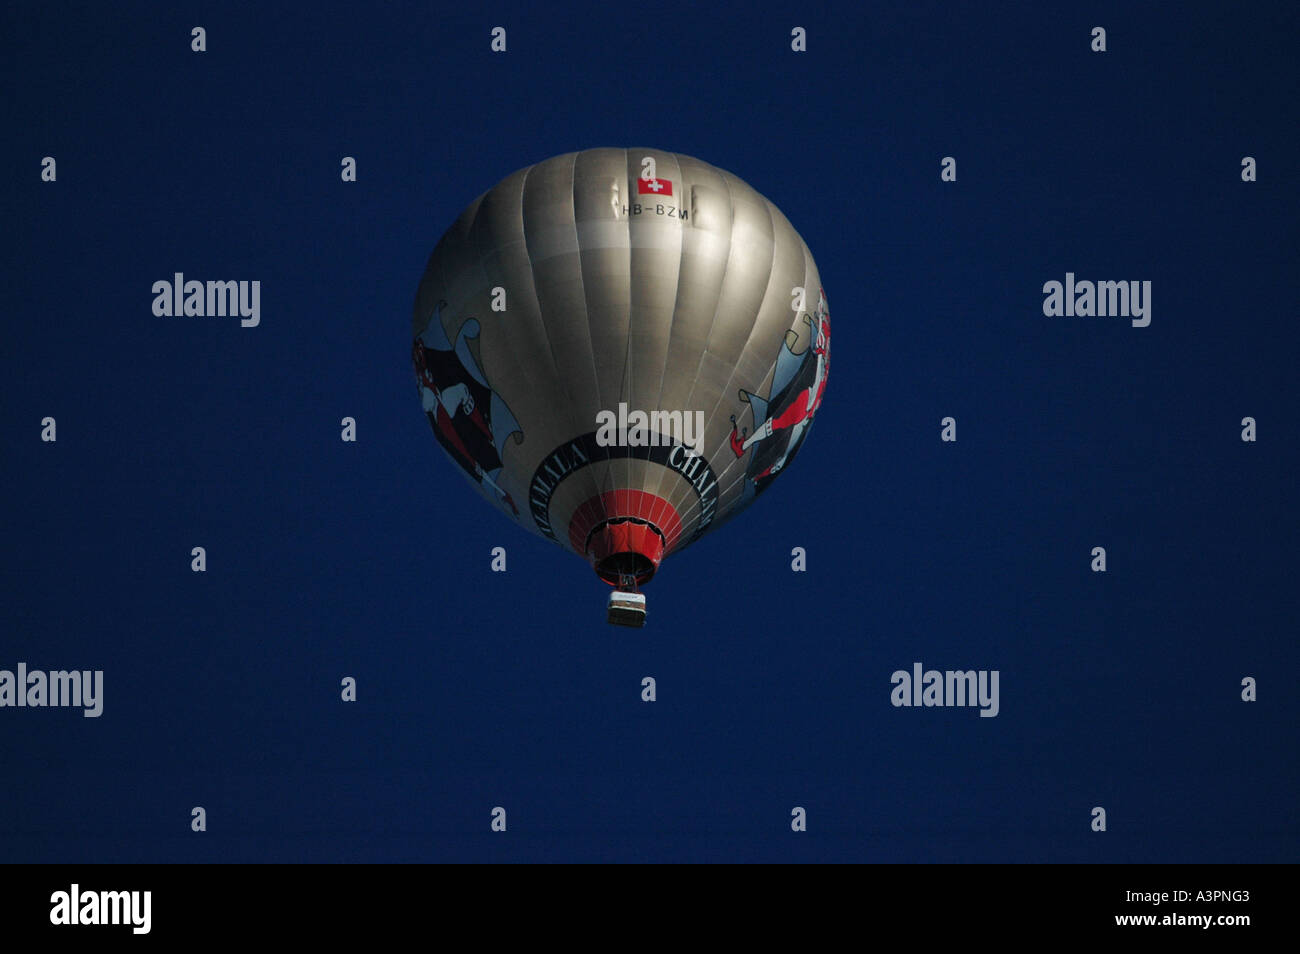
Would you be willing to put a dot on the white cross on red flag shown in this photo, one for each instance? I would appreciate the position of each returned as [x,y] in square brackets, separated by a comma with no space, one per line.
[654,187]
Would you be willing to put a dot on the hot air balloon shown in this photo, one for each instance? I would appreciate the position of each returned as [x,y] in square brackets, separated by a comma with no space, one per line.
[621,349]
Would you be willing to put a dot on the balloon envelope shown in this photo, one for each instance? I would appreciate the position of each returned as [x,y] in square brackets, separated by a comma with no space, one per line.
[622,349]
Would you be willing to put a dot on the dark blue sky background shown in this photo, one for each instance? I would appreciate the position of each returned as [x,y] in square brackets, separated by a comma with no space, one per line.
[476,689]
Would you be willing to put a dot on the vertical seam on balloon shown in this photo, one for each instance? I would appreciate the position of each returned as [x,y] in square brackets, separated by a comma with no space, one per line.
[480,255]
[753,329]
[749,340]
[590,475]
[807,258]
[623,387]
[734,461]
[677,297]
[722,284]
[532,275]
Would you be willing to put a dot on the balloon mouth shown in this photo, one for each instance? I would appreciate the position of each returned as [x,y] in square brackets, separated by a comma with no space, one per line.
[625,551]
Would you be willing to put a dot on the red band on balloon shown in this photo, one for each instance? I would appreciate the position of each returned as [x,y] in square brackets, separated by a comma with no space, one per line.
[630,522]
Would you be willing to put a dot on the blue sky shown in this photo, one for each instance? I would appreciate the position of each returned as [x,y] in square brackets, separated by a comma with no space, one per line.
[476,689]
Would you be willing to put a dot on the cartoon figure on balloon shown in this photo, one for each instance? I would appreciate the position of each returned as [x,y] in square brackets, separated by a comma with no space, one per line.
[469,419]
[781,420]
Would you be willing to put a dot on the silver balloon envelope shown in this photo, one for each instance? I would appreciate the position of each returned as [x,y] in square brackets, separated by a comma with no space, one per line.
[621,349]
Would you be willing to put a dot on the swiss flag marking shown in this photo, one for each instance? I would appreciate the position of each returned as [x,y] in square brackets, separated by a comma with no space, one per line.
[654,187]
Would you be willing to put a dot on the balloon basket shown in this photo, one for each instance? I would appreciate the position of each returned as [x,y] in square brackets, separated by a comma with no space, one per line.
[626,609]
